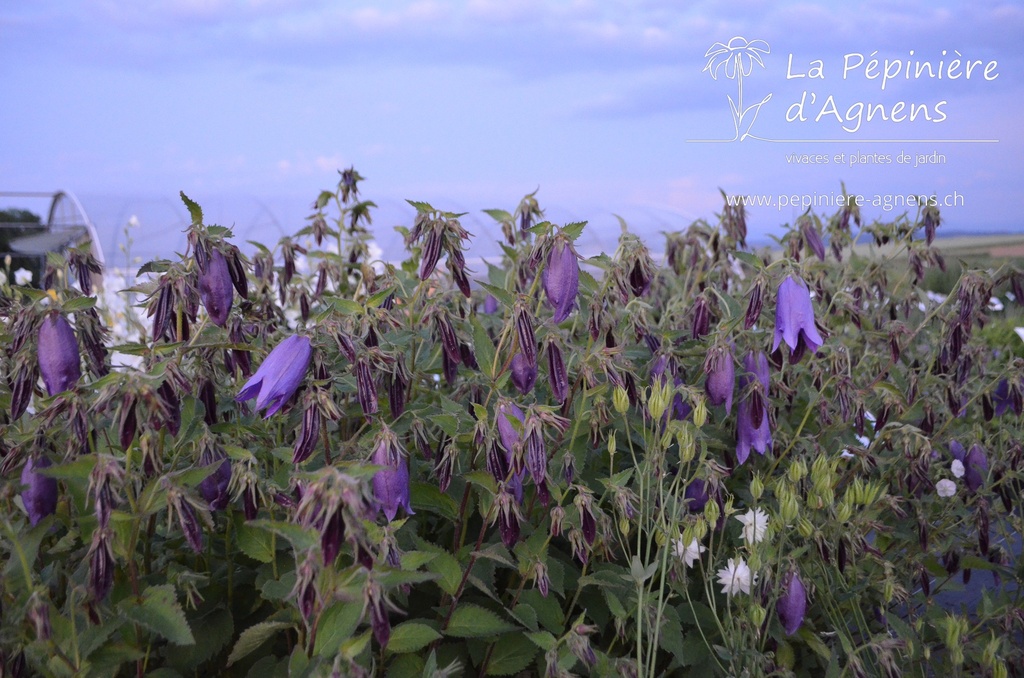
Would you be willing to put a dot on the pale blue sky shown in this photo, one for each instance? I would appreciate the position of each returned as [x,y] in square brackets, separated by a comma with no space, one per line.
[250,107]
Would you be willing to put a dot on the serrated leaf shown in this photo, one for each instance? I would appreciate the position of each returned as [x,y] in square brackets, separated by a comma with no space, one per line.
[79,304]
[421,207]
[542,639]
[445,565]
[378,298]
[428,497]
[253,637]
[526,616]
[155,266]
[347,306]
[574,230]
[79,469]
[194,210]
[255,542]
[212,632]
[411,636]
[473,621]
[414,560]
[512,653]
[337,624]
[159,612]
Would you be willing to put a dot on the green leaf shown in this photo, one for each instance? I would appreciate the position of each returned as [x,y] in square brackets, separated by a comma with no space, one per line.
[549,612]
[79,469]
[212,632]
[377,299]
[543,640]
[449,569]
[347,306]
[253,637]
[337,624]
[484,347]
[503,297]
[159,612]
[194,210]
[749,259]
[526,616]
[574,230]
[78,304]
[255,542]
[406,666]
[500,216]
[411,636]
[300,537]
[473,621]
[512,653]
[428,497]
[421,207]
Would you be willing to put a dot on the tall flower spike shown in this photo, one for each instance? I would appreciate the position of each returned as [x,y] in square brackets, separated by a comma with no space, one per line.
[215,288]
[792,604]
[752,433]
[280,375]
[561,279]
[59,360]
[794,320]
[40,493]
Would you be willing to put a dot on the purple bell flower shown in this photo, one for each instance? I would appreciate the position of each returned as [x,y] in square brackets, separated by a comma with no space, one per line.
[280,375]
[214,487]
[792,603]
[59,360]
[216,289]
[751,434]
[721,375]
[523,373]
[490,304]
[696,495]
[40,493]
[561,279]
[391,483]
[975,464]
[794,320]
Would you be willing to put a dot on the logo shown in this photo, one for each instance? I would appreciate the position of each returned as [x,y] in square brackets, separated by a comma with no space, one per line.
[737,59]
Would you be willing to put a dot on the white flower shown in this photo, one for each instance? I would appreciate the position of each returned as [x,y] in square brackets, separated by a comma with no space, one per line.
[945,488]
[3,278]
[689,554]
[755,523]
[736,577]
[22,276]
[957,467]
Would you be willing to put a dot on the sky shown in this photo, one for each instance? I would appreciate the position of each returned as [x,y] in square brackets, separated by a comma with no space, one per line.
[604,108]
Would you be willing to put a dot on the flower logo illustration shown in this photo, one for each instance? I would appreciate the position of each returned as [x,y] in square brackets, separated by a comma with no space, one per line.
[737,58]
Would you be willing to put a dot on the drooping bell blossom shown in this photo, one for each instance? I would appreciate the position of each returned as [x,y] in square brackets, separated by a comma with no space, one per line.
[490,304]
[507,431]
[214,487]
[216,289]
[561,279]
[751,433]
[280,375]
[975,464]
[696,496]
[40,493]
[721,376]
[101,565]
[524,375]
[794,320]
[391,483]
[59,360]
[792,604]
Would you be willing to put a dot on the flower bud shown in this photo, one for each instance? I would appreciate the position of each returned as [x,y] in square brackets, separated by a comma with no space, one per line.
[59,360]
[214,487]
[40,493]
[561,279]
[721,376]
[792,603]
[558,377]
[524,375]
[620,400]
[216,288]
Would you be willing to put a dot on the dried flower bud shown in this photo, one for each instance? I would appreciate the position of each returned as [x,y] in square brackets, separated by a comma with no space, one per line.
[701,313]
[101,565]
[59,360]
[431,252]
